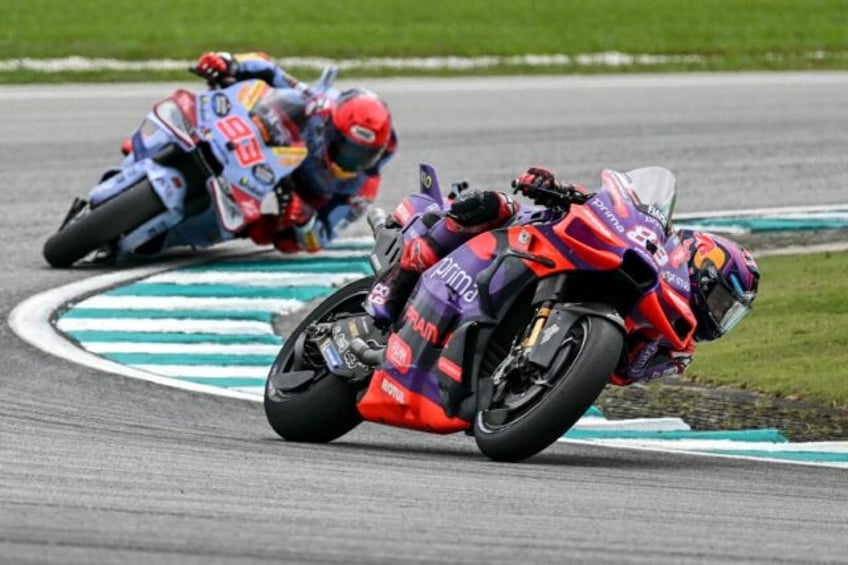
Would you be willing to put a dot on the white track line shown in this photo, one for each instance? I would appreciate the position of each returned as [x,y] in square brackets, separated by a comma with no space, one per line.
[245,278]
[666,446]
[206,371]
[280,306]
[220,327]
[31,321]
[102,347]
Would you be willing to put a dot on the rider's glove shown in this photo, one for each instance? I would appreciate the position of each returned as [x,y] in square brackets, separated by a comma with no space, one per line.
[217,68]
[535,178]
[478,211]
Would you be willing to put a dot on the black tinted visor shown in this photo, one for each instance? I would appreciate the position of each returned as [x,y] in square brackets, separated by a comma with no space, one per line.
[726,306]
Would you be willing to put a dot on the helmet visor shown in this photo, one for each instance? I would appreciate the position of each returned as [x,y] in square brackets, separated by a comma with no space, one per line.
[350,155]
[727,305]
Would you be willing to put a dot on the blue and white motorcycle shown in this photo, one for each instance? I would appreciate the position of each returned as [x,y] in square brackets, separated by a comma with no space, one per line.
[200,166]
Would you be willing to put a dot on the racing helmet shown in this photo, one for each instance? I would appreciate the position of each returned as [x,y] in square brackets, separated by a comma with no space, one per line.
[724,279]
[358,132]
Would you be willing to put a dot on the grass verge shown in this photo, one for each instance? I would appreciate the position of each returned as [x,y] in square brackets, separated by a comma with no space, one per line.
[794,344]
[726,34]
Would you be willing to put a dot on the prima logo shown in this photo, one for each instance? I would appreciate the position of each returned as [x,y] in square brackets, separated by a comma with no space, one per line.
[608,214]
[455,278]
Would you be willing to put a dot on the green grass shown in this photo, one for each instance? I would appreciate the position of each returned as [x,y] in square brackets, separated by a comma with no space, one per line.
[794,344]
[731,34]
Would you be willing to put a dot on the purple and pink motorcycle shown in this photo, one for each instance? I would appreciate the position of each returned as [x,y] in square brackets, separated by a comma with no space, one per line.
[510,337]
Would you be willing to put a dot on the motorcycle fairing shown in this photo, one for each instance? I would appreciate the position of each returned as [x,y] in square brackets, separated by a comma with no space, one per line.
[237,140]
[253,166]
[172,120]
[596,237]
[429,198]
[251,169]
[423,382]
[119,182]
[387,401]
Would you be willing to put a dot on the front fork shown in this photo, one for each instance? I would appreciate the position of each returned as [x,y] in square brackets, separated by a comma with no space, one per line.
[543,312]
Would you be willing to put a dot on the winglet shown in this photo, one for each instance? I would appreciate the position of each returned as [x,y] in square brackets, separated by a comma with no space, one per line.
[430,183]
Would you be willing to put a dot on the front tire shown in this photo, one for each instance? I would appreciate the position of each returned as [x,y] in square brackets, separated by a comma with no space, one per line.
[324,407]
[103,225]
[583,366]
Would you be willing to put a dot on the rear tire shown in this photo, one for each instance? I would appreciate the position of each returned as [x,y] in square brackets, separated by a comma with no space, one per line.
[103,225]
[585,372]
[324,408]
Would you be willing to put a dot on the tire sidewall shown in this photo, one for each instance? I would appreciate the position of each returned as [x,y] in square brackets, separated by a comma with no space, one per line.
[571,396]
[327,409]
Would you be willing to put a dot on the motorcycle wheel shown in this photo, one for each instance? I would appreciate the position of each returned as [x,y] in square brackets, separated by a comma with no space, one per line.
[102,225]
[324,407]
[513,429]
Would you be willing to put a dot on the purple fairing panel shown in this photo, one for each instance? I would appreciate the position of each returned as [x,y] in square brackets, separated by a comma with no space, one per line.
[452,282]
[426,322]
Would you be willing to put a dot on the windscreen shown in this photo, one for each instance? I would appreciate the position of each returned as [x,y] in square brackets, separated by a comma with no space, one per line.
[283,113]
[171,116]
[655,187]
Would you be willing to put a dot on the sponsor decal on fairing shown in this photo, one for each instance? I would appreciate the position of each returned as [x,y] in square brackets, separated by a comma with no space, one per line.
[221,105]
[455,278]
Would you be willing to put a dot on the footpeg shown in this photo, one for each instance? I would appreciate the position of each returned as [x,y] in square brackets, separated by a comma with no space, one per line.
[367,355]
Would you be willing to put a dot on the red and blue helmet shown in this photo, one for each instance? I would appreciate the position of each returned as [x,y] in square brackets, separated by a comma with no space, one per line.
[358,132]
[724,278]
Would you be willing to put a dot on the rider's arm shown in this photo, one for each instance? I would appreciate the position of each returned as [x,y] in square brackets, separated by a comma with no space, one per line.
[342,210]
[258,65]
[651,359]
[222,68]
[310,226]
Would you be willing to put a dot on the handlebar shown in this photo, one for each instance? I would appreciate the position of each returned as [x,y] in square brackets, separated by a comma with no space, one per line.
[557,196]
[211,84]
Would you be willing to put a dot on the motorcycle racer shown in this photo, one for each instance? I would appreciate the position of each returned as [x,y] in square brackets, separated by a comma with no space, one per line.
[723,276]
[349,138]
